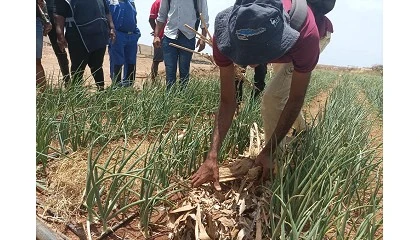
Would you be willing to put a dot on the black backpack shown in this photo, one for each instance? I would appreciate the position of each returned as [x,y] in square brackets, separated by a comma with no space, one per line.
[299,9]
[321,7]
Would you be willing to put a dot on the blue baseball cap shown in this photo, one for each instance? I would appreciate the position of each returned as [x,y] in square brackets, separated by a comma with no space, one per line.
[254,32]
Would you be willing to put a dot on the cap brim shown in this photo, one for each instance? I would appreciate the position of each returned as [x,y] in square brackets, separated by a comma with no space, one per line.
[248,55]
[221,32]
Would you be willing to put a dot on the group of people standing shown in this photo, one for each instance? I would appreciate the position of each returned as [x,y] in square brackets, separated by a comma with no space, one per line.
[87,28]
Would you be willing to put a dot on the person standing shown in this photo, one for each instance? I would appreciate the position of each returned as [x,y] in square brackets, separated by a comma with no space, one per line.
[257,32]
[123,52]
[89,27]
[62,59]
[260,72]
[43,26]
[157,52]
[177,13]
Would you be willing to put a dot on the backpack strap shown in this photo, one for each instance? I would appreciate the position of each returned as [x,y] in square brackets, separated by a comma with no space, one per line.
[298,14]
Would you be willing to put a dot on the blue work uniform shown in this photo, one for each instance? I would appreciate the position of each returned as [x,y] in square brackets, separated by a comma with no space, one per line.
[123,52]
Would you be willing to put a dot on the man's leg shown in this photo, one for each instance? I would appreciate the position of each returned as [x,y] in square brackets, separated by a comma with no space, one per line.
[170,56]
[157,58]
[111,64]
[78,56]
[62,59]
[185,59]
[130,53]
[260,72]
[117,55]
[40,73]
[96,60]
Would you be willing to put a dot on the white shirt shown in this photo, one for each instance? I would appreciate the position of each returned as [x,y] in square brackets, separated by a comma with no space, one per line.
[181,12]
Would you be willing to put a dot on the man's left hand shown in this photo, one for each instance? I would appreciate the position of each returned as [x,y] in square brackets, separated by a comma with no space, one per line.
[47,28]
[112,35]
[201,44]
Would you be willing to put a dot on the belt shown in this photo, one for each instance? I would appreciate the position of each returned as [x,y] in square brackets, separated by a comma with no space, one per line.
[125,32]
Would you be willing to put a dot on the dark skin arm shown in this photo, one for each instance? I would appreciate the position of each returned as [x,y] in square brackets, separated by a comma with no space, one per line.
[201,44]
[299,85]
[156,41]
[209,171]
[59,28]
[112,34]
[153,25]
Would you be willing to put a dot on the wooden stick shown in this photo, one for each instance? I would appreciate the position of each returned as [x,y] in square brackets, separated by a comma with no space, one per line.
[205,27]
[192,51]
[199,34]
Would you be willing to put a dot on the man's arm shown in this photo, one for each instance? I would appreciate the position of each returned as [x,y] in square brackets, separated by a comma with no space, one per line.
[201,44]
[300,82]
[158,29]
[59,18]
[209,171]
[160,22]
[202,6]
[152,23]
[111,26]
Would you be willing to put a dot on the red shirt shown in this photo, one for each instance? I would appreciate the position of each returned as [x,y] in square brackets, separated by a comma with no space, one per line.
[154,14]
[304,54]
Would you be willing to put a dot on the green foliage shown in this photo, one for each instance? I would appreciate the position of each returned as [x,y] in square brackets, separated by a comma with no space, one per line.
[324,181]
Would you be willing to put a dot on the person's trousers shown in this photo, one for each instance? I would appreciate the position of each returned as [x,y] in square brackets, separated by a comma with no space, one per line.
[80,57]
[123,52]
[260,72]
[173,56]
[62,59]
[277,94]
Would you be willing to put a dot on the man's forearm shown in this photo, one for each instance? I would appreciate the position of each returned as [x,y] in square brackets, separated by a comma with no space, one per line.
[152,23]
[158,28]
[222,123]
[204,32]
[110,22]
[227,106]
[59,25]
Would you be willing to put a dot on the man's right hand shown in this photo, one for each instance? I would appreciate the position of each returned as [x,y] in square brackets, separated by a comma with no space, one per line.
[61,42]
[156,42]
[208,172]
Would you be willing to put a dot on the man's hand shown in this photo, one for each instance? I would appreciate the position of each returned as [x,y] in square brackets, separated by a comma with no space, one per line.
[112,35]
[47,28]
[208,172]
[266,163]
[201,44]
[61,42]
[156,42]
